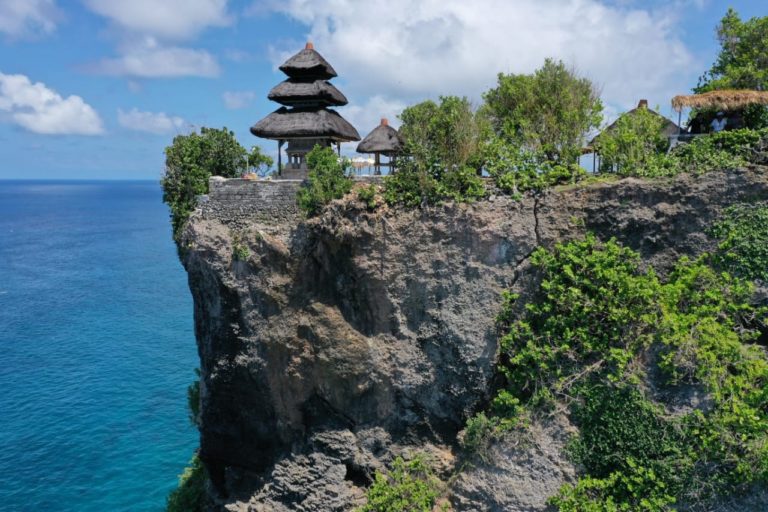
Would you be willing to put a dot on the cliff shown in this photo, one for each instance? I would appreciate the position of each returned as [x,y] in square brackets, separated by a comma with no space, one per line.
[329,346]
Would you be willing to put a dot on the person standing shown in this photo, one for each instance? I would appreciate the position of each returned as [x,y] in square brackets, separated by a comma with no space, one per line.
[719,122]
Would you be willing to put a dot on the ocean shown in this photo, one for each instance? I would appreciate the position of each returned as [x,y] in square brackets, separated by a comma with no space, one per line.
[96,348]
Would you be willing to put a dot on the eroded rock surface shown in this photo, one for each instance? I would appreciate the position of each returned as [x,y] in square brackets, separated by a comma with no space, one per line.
[345,340]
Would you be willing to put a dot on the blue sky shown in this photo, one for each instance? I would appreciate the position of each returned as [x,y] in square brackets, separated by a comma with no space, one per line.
[97,88]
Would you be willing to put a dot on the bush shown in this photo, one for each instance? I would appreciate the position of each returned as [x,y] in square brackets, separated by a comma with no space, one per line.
[742,233]
[443,153]
[189,496]
[327,180]
[598,327]
[410,486]
[632,142]
[190,161]
[515,170]
[367,194]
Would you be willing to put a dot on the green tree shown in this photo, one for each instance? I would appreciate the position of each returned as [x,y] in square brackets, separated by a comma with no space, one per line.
[632,142]
[327,180]
[444,150]
[548,112]
[743,59]
[190,160]
[742,62]
[258,162]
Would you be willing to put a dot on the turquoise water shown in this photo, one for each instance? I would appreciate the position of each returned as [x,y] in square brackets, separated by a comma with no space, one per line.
[96,348]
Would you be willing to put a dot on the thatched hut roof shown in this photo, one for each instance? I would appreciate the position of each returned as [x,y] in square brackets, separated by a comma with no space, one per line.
[296,91]
[721,100]
[667,129]
[383,139]
[305,122]
[308,64]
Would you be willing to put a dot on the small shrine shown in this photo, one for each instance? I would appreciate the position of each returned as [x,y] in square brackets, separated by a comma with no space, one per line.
[383,140]
[305,119]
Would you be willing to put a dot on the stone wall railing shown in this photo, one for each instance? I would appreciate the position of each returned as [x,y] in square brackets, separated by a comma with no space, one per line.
[239,202]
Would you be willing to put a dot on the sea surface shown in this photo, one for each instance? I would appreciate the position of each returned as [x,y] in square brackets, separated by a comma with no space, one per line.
[96,348]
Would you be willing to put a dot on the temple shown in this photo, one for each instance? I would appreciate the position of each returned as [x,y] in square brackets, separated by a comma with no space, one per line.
[383,140]
[305,120]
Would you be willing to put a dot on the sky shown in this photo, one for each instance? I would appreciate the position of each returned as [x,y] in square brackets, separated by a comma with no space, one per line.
[96,89]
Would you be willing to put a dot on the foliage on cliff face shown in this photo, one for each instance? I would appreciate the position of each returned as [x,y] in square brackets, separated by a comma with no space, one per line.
[191,160]
[549,112]
[410,486]
[605,340]
[327,180]
[189,496]
[743,236]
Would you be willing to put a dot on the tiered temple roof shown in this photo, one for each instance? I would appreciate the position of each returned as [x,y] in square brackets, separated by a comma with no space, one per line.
[306,95]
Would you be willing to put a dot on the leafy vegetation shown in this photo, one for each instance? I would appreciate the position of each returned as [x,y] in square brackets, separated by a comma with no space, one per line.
[630,144]
[258,162]
[743,59]
[190,160]
[743,237]
[367,194]
[600,328]
[547,113]
[515,171]
[327,180]
[409,486]
[444,152]
[189,496]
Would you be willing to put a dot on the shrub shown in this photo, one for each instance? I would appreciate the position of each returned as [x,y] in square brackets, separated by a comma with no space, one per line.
[410,486]
[742,233]
[327,180]
[367,194]
[632,142]
[190,160]
[515,170]
[443,153]
[189,496]
[598,327]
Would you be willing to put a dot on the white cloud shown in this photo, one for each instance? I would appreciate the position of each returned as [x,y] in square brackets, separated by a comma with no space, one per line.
[147,31]
[367,116]
[20,18]
[153,122]
[151,60]
[168,19]
[405,51]
[234,100]
[39,109]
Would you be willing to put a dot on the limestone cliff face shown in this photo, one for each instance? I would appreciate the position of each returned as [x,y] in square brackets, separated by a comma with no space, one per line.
[345,340]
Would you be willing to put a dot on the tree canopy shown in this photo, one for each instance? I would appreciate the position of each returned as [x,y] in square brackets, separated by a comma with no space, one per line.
[190,160]
[743,59]
[548,112]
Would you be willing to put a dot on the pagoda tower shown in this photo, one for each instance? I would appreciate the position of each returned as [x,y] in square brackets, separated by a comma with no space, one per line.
[305,120]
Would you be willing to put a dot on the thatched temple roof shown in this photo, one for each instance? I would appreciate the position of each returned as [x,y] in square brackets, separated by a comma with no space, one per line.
[298,122]
[295,91]
[721,100]
[308,64]
[383,139]
[668,127]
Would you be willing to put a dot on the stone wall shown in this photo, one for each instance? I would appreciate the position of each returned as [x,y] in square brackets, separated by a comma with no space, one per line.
[238,202]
